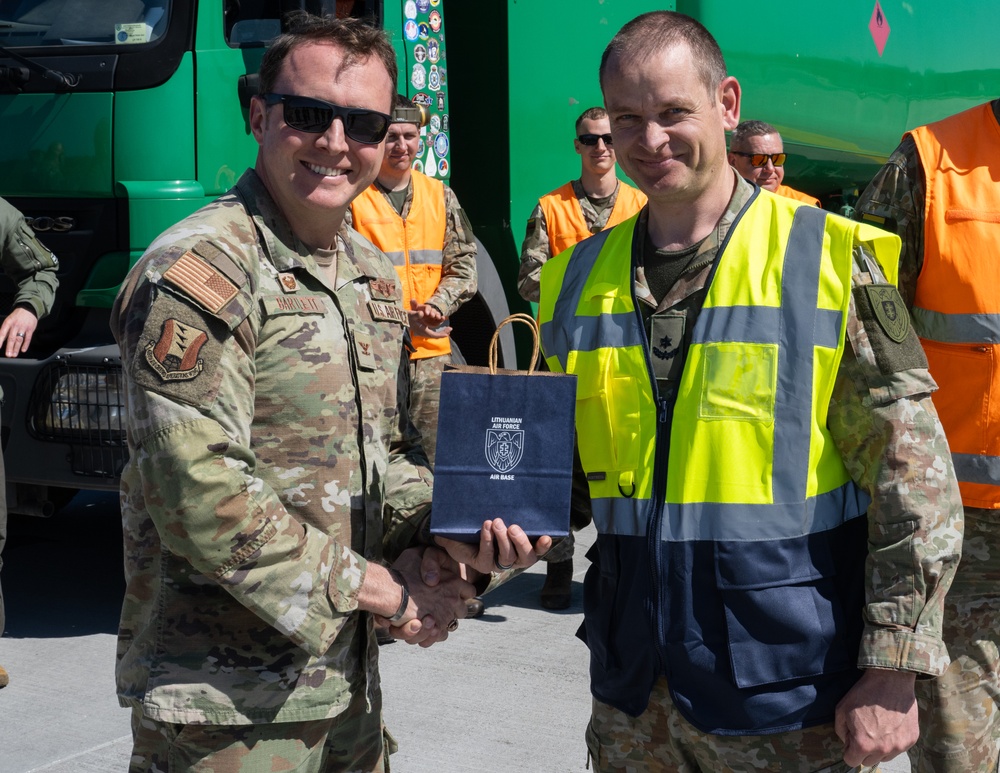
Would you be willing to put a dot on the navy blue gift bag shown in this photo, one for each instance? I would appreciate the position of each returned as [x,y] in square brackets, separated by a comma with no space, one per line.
[504,448]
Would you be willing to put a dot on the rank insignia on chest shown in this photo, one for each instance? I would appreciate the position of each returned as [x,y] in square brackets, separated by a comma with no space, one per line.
[174,356]
[388,312]
[288,282]
[383,289]
[364,351]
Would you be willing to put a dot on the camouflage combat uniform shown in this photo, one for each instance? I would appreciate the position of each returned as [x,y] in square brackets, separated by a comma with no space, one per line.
[29,263]
[959,714]
[458,284]
[266,448]
[892,443]
[535,249]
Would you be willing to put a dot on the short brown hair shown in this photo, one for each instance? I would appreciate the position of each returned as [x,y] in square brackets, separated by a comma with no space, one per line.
[590,114]
[358,39]
[747,129]
[655,31]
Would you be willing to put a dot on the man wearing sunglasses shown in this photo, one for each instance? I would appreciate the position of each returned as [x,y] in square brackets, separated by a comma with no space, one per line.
[939,193]
[574,211]
[757,152]
[274,496]
[777,513]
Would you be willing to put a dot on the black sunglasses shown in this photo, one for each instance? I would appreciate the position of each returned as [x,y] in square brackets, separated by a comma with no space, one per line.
[591,139]
[305,114]
[760,159]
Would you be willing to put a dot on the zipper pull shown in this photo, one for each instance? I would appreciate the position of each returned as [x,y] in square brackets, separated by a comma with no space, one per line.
[663,411]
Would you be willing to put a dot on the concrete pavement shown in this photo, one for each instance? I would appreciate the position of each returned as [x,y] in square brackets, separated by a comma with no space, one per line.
[508,692]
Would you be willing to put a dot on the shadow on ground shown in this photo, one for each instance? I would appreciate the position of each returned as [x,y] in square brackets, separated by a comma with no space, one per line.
[62,576]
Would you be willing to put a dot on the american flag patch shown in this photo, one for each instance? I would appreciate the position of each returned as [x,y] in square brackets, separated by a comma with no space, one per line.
[201,282]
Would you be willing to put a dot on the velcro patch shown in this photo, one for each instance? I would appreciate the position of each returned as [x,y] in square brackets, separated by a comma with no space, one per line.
[363,351]
[383,289]
[201,282]
[388,312]
[889,310]
[174,356]
[294,304]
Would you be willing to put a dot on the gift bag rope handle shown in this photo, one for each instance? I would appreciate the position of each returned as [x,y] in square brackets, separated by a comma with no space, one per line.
[528,320]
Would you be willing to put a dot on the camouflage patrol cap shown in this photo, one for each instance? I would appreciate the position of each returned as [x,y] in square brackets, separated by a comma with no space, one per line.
[405,111]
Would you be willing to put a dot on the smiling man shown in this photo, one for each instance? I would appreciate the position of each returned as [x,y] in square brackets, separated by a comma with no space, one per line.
[777,513]
[263,348]
[757,152]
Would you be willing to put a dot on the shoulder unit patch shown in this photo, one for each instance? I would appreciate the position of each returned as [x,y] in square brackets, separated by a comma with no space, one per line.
[174,356]
[887,305]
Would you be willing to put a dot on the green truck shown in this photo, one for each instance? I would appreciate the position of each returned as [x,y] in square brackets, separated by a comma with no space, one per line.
[119,117]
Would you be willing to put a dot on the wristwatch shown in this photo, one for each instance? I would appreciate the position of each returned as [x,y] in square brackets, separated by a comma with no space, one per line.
[405,601]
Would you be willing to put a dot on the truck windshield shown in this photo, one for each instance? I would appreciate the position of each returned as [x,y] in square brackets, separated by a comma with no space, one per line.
[44,23]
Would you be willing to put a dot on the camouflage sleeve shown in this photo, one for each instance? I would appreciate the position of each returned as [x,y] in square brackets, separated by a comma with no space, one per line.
[894,200]
[889,436]
[193,471]
[27,262]
[409,481]
[458,263]
[534,252]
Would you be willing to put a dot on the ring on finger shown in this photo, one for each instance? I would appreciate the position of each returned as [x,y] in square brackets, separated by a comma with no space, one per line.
[500,567]
[453,624]
[19,335]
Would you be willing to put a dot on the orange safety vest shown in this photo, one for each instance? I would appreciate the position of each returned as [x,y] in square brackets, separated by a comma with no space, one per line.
[564,218]
[784,190]
[415,245]
[957,304]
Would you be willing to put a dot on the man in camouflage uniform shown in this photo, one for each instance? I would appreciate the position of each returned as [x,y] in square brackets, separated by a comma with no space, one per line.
[959,715]
[272,479]
[593,202]
[26,261]
[706,652]
[392,200]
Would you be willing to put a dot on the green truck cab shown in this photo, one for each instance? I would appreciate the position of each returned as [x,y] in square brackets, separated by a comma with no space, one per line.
[120,117]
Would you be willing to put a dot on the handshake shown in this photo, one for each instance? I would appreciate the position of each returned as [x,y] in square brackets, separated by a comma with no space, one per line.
[422,596]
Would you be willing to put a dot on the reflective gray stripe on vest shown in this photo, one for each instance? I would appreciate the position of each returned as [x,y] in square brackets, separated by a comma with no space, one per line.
[956,328]
[567,332]
[972,468]
[744,324]
[713,521]
[796,327]
[432,257]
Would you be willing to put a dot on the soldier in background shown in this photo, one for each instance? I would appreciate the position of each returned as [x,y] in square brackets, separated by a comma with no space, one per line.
[778,518]
[574,211]
[757,152]
[275,497]
[939,193]
[418,222]
[33,268]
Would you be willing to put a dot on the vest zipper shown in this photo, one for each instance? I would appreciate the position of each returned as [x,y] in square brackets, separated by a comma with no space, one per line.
[659,494]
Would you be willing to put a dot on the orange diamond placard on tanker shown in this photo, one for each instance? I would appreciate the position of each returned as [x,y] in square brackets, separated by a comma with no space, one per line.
[879,28]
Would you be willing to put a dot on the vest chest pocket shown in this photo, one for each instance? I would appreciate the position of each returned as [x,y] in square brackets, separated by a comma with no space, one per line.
[608,419]
[740,381]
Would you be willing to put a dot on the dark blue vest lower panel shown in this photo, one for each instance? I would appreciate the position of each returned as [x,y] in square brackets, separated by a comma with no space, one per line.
[759,637]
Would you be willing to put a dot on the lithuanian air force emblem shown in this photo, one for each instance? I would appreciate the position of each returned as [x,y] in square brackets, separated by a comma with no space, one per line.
[504,448]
